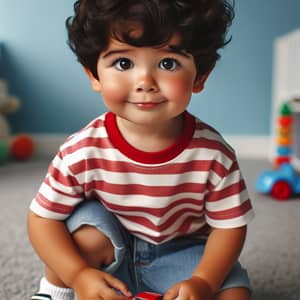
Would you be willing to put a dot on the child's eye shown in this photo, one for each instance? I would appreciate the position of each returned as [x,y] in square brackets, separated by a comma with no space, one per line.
[123,64]
[169,64]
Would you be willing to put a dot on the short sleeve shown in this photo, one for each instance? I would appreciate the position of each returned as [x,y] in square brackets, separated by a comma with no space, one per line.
[59,193]
[227,205]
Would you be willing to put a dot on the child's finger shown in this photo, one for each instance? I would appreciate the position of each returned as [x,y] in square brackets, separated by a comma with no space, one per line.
[183,295]
[172,292]
[112,295]
[118,284]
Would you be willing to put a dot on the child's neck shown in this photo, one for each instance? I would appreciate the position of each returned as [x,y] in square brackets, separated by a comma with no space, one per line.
[151,138]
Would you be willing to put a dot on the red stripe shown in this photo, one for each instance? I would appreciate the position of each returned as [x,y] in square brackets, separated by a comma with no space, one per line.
[125,167]
[97,123]
[157,212]
[69,180]
[182,230]
[60,155]
[218,168]
[210,186]
[231,213]
[102,143]
[47,182]
[139,189]
[231,190]
[201,125]
[168,223]
[54,207]
[203,143]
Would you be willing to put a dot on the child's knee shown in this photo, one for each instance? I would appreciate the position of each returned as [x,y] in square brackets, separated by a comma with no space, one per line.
[94,246]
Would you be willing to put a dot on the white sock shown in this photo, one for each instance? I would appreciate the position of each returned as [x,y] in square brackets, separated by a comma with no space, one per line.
[56,292]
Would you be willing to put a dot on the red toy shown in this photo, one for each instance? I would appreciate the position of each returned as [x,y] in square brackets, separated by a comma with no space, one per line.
[22,147]
[147,296]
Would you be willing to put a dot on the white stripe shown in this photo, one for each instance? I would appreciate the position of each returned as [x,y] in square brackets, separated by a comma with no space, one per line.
[197,224]
[41,211]
[211,135]
[71,190]
[61,198]
[162,219]
[193,228]
[95,153]
[116,155]
[228,202]
[198,177]
[231,223]
[133,226]
[61,166]
[230,179]
[90,132]
[147,201]
[243,145]
[214,178]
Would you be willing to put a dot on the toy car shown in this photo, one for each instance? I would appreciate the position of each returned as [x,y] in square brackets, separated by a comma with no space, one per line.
[147,296]
[281,183]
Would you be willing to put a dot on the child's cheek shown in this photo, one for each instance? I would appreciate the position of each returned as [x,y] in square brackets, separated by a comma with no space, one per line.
[178,87]
[114,91]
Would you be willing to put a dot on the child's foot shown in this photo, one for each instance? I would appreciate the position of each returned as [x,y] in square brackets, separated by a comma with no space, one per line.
[48,291]
[39,296]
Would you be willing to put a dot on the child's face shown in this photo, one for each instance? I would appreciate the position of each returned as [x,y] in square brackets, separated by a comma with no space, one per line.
[146,85]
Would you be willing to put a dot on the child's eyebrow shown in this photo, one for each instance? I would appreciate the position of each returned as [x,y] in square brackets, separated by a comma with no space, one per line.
[169,49]
[117,51]
[178,50]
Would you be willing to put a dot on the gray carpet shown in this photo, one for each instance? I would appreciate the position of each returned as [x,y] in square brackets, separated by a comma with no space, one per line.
[271,254]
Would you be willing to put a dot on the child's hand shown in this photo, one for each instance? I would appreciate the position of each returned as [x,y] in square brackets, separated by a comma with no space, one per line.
[96,285]
[194,288]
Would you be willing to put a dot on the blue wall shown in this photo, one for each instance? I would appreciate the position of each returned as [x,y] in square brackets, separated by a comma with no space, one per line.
[56,96]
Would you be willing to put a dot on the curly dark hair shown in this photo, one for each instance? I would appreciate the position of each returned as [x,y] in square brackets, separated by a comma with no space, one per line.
[202,25]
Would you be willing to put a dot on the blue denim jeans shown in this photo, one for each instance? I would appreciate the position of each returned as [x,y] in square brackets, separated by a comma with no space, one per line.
[144,266]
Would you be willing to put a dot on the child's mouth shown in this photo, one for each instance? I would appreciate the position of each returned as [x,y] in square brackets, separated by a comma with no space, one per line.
[147,105]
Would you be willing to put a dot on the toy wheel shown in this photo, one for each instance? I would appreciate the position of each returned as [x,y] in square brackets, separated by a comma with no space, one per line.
[281,191]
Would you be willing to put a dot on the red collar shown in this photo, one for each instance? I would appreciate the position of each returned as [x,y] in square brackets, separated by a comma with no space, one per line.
[158,157]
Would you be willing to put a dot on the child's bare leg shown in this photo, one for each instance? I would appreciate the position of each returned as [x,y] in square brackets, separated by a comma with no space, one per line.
[94,246]
[234,293]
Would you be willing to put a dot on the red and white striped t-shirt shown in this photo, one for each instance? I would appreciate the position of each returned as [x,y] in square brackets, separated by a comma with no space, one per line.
[192,185]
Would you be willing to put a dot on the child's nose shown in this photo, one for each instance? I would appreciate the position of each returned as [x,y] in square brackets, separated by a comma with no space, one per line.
[146,83]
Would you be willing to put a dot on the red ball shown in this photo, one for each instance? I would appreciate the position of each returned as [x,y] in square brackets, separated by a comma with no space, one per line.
[22,147]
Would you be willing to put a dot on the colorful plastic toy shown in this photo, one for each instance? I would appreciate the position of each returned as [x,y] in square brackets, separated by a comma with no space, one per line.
[284,137]
[281,184]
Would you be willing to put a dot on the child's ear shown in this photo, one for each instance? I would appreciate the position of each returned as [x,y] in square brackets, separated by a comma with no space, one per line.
[200,81]
[96,86]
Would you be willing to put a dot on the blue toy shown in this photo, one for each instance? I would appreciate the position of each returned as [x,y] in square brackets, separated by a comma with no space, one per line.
[281,183]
